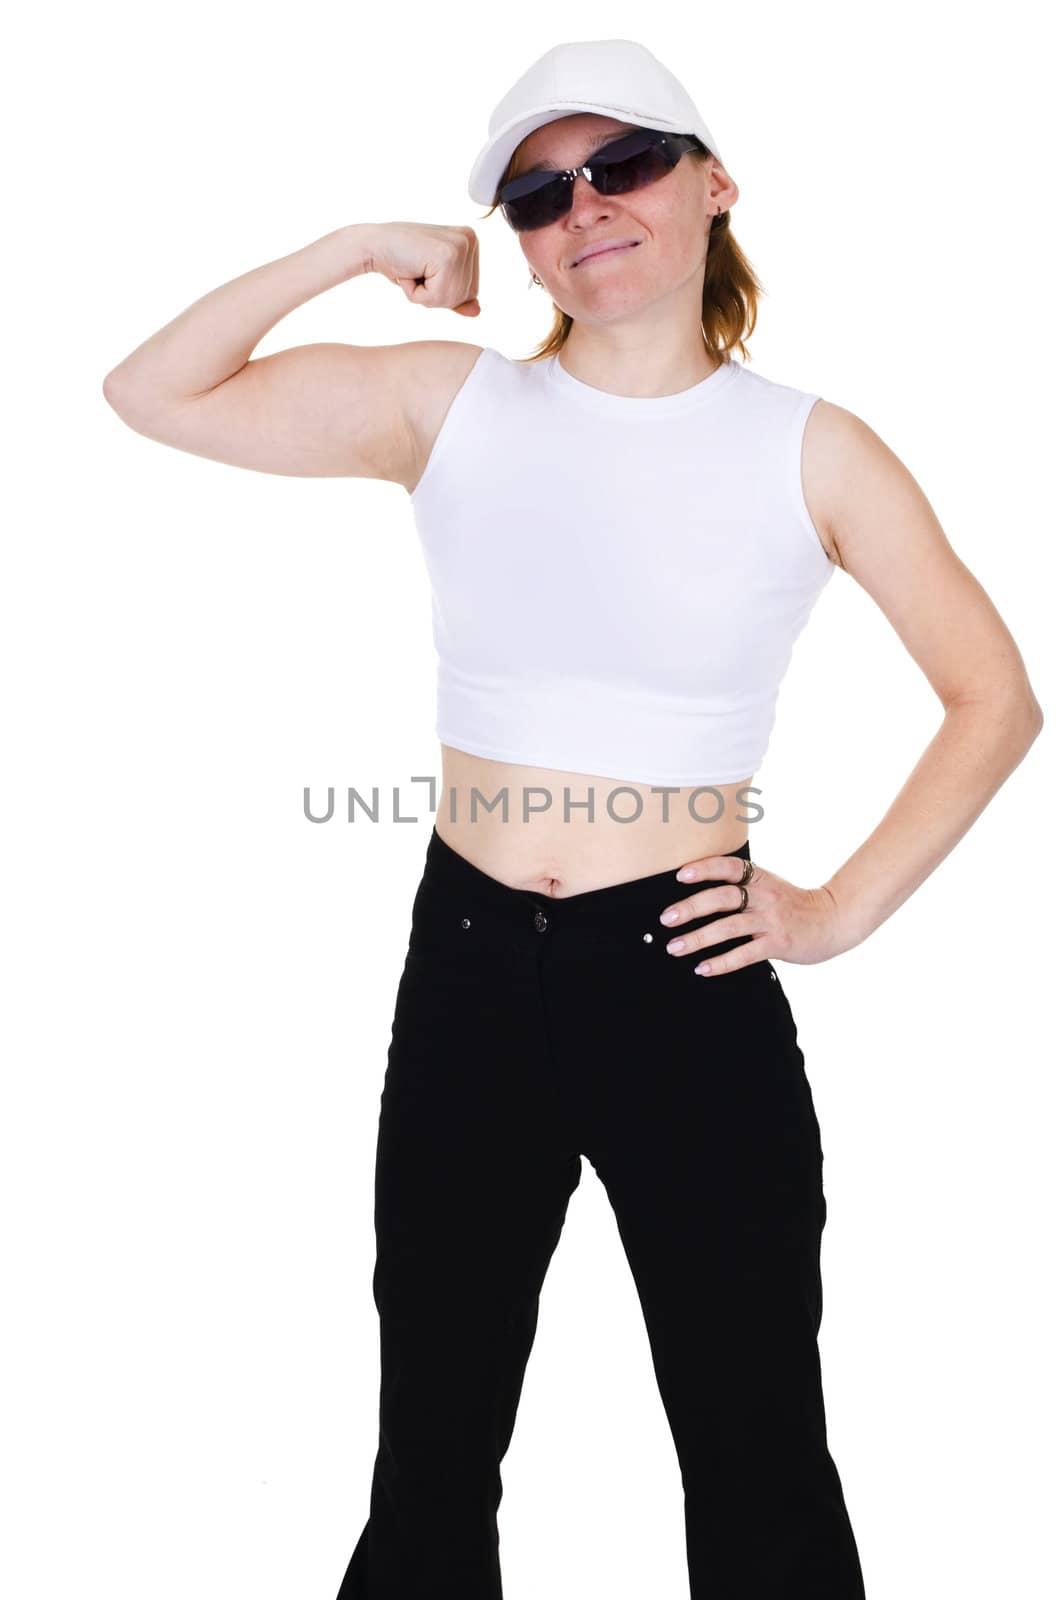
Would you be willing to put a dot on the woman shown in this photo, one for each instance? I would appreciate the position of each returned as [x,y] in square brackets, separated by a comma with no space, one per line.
[625,534]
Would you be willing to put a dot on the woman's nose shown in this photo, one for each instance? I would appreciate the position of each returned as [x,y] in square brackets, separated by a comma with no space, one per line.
[586,198]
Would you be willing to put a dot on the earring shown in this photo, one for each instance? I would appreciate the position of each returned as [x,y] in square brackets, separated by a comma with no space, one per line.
[534,279]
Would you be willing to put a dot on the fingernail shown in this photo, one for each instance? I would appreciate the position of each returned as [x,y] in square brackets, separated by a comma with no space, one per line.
[674,945]
[669,916]
[687,874]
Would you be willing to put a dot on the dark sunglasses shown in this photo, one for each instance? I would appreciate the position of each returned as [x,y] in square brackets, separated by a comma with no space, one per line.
[632,161]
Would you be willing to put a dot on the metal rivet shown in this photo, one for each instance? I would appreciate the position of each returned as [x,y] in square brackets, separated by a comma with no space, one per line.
[466,922]
[648,938]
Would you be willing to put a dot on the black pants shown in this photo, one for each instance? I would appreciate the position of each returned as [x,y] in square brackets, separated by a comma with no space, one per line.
[529,1031]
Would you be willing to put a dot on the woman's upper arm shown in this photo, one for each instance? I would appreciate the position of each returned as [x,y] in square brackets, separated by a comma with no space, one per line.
[872,514]
[317,410]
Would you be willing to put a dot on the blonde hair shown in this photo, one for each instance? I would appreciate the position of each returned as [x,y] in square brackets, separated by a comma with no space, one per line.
[730,289]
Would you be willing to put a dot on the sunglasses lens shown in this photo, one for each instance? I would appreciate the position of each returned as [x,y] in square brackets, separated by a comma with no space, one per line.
[534,200]
[631,162]
[635,171]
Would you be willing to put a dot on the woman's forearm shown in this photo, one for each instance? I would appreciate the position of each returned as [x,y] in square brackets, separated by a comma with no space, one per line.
[216,335]
[978,745]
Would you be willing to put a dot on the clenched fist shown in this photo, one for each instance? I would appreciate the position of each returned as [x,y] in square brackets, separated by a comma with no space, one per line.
[435,266]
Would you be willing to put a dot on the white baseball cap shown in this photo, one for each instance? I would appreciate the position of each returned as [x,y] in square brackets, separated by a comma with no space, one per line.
[610,77]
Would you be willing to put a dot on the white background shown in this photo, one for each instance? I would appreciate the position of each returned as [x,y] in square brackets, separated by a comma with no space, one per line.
[200,983]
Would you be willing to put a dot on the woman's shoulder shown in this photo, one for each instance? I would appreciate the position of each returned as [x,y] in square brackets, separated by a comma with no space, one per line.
[759,387]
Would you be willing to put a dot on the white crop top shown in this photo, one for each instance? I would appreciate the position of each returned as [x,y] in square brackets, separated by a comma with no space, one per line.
[617,582]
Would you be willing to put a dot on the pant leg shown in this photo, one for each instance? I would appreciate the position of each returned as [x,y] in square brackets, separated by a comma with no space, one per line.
[707,1142]
[471,1191]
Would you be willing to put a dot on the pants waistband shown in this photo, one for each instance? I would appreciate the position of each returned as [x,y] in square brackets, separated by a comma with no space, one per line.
[451,883]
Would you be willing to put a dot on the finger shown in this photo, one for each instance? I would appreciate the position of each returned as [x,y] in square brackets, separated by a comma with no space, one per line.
[689,944]
[705,867]
[731,961]
[724,897]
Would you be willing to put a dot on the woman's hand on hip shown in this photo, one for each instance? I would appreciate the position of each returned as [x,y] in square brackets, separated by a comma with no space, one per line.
[785,922]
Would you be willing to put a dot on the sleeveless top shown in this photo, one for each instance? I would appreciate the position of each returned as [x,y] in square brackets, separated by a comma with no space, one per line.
[617,582]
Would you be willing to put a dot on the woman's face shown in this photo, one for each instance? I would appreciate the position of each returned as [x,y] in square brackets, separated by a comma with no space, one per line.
[667,223]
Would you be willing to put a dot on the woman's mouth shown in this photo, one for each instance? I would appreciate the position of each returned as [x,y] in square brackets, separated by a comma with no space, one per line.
[607,250]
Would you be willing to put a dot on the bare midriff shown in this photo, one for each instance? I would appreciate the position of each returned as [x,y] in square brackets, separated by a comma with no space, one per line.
[564,833]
